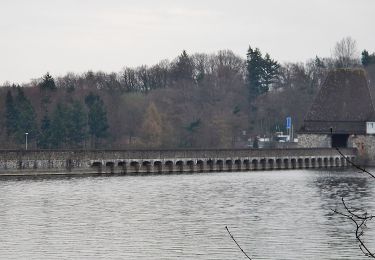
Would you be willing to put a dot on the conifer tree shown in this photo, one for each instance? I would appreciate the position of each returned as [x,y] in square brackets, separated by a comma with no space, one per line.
[270,72]
[76,125]
[44,140]
[26,118]
[254,67]
[261,72]
[97,117]
[46,86]
[48,83]
[58,130]
[367,59]
[183,69]
[10,114]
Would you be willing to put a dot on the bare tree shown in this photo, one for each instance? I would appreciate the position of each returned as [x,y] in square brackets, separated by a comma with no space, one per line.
[346,53]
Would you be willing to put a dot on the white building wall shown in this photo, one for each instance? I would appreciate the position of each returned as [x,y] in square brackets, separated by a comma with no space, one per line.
[370,127]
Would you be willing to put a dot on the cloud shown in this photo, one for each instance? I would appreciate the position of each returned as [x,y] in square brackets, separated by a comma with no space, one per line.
[89,34]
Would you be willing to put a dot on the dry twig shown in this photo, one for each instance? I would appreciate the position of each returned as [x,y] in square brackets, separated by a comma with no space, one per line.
[248,257]
[358,218]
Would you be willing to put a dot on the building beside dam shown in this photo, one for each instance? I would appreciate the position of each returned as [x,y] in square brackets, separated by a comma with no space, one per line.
[342,115]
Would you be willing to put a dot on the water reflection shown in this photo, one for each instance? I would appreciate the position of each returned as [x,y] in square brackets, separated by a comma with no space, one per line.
[344,183]
[274,215]
[357,189]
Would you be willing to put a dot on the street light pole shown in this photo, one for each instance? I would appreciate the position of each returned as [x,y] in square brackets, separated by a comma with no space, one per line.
[26,140]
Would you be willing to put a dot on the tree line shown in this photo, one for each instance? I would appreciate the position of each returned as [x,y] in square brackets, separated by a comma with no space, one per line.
[69,125]
[197,100]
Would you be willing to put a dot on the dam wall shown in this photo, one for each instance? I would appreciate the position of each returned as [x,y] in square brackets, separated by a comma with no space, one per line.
[22,162]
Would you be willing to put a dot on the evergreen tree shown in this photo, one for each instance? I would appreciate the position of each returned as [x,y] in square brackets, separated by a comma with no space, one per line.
[76,125]
[261,72]
[191,129]
[10,114]
[254,67]
[58,126]
[367,59]
[183,69]
[48,83]
[97,117]
[67,127]
[97,120]
[44,140]
[270,72]
[91,99]
[26,118]
[319,63]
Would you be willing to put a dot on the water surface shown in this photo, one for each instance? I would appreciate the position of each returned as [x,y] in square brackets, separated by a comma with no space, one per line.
[273,215]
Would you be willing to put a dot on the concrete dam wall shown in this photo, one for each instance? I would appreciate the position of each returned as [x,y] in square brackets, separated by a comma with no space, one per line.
[31,162]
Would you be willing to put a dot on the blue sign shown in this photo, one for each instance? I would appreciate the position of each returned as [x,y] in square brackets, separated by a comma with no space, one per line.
[288,122]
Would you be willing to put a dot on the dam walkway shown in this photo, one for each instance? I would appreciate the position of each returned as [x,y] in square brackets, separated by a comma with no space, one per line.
[21,162]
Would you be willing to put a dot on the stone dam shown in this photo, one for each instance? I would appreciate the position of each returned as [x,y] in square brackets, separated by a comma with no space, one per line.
[121,162]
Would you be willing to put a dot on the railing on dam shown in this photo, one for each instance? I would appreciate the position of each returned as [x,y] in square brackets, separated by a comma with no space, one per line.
[168,161]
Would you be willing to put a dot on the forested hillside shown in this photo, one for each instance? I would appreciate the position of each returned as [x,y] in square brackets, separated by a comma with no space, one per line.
[196,100]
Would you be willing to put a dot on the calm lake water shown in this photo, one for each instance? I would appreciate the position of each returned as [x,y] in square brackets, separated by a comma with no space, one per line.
[273,215]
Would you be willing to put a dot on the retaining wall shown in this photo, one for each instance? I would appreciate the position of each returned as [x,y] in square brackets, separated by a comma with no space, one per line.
[17,162]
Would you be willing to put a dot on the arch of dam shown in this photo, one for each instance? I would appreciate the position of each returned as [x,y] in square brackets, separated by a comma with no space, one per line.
[21,162]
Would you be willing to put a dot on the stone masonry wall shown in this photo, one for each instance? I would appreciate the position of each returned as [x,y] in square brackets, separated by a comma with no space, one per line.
[86,161]
[314,141]
[365,145]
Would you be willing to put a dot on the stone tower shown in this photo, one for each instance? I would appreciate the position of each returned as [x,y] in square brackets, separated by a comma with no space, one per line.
[342,114]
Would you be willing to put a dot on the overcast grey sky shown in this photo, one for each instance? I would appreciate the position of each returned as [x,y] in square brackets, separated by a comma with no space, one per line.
[63,36]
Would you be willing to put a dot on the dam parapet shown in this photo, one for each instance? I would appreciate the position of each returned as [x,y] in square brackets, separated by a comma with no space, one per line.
[21,162]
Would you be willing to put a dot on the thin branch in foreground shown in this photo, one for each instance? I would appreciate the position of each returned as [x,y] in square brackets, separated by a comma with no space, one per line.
[363,170]
[357,216]
[359,220]
[231,236]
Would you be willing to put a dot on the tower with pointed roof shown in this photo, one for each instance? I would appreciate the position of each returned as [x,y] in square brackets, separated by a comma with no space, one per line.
[342,114]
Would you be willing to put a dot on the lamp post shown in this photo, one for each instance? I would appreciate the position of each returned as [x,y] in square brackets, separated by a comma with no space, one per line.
[26,140]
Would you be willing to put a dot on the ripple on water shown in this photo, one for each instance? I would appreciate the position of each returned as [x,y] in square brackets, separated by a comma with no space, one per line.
[273,215]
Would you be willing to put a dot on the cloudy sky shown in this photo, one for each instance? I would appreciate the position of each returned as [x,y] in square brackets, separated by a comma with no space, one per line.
[63,36]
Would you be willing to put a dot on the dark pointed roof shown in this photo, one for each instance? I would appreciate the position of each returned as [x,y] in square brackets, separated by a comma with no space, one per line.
[343,103]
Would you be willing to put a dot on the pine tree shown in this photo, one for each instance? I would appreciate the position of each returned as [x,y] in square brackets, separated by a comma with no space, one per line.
[91,99]
[261,73]
[58,132]
[254,66]
[67,127]
[44,140]
[367,59]
[10,114]
[26,118]
[97,120]
[76,125]
[270,72]
[48,83]
[97,117]
[183,69]
[191,129]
